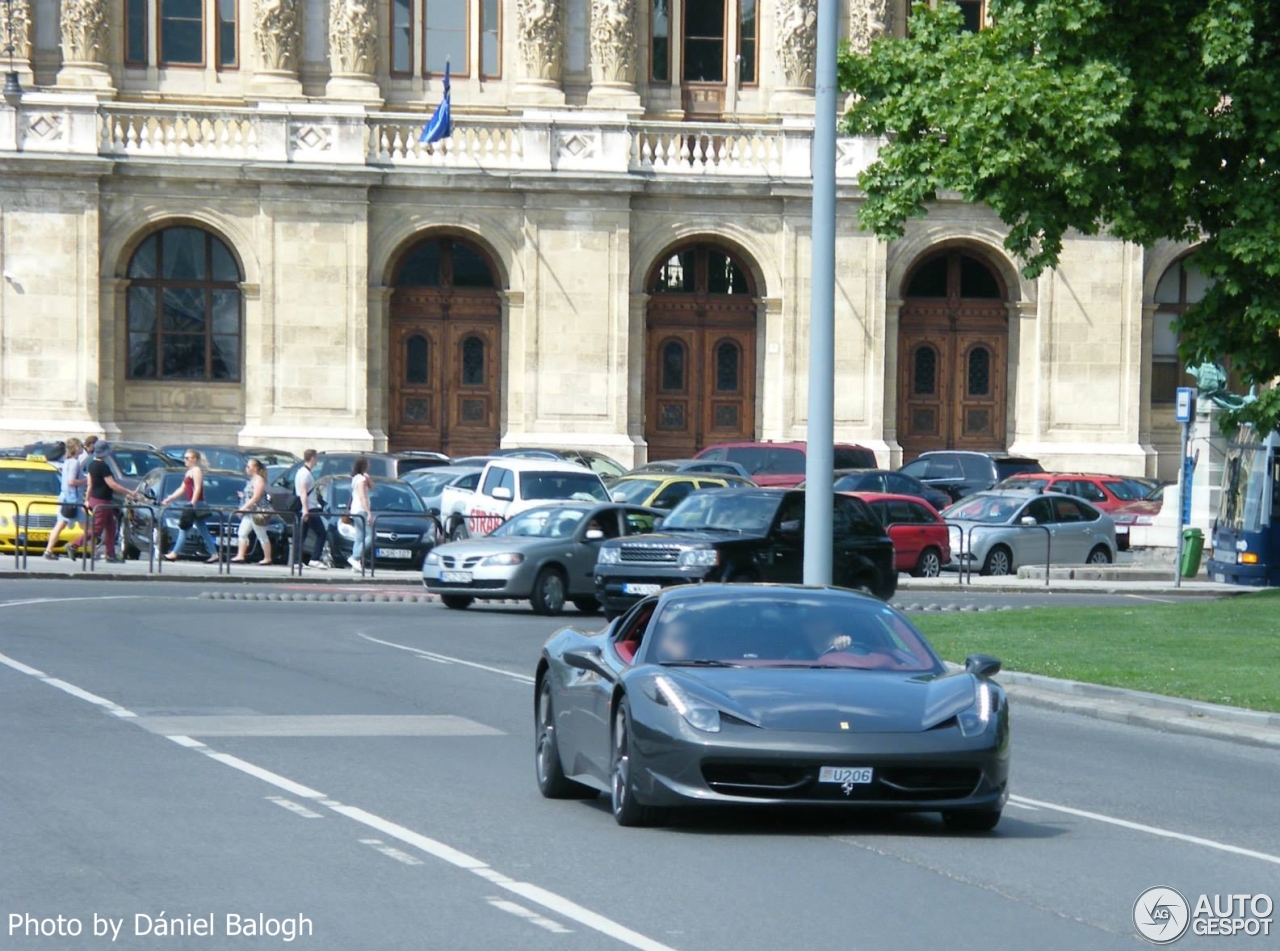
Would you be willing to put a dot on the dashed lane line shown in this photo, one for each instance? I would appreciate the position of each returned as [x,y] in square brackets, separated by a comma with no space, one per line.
[446,659]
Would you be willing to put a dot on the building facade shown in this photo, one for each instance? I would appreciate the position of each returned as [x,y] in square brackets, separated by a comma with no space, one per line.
[217,223]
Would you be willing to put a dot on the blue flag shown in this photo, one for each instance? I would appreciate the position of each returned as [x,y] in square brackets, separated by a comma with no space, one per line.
[441,124]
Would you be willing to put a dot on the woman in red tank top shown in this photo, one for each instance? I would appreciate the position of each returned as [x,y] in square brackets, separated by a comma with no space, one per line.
[192,492]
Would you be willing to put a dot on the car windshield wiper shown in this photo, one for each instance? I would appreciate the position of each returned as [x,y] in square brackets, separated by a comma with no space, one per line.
[696,662]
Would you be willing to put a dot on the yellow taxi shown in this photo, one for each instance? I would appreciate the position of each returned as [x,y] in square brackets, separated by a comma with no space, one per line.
[29,491]
[662,490]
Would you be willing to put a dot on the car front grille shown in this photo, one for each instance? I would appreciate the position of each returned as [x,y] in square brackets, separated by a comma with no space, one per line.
[452,561]
[38,521]
[800,781]
[650,554]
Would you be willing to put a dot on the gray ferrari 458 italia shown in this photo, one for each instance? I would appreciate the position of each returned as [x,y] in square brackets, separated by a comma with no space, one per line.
[767,694]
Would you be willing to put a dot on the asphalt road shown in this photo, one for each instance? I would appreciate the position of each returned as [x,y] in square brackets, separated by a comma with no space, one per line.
[368,767]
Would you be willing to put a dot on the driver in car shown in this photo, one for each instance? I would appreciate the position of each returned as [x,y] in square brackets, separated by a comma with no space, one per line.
[673,642]
[823,636]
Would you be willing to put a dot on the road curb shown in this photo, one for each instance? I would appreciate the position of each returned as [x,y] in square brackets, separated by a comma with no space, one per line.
[346,597]
[1039,587]
[335,577]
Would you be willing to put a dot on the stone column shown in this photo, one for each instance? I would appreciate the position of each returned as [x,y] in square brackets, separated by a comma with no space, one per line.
[84,47]
[379,414]
[353,51]
[795,40]
[892,315]
[637,354]
[21,61]
[540,48]
[278,42]
[613,55]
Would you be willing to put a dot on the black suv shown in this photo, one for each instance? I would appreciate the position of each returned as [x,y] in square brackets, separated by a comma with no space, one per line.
[742,535]
[960,472]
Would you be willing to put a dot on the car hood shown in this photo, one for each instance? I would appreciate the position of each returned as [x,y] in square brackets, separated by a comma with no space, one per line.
[690,538]
[820,700]
[488,545]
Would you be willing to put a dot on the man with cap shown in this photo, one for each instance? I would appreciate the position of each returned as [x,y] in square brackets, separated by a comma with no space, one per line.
[102,493]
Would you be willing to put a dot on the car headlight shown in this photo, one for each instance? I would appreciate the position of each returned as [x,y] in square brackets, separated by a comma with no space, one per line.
[975,718]
[6,521]
[699,558]
[609,556]
[506,558]
[699,715]
[431,559]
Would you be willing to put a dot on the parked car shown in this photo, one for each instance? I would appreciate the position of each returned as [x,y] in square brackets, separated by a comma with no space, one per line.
[431,483]
[783,463]
[1140,513]
[382,465]
[234,458]
[509,485]
[743,535]
[890,483]
[1101,491]
[597,462]
[921,539]
[662,491]
[1000,531]
[546,554]
[403,531]
[959,472]
[29,490]
[693,467]
[140,533]
[131,461]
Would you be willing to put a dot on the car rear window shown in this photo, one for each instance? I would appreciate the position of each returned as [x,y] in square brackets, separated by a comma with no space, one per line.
[768,460]
[1008,467]
[412,465]
[855,458]
[583,486]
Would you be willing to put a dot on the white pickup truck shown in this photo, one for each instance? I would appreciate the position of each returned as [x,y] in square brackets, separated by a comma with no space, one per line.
[511,485]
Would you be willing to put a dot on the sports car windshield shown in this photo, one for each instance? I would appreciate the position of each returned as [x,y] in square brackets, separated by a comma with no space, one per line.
[796,632]
[550,522]
[991,509]
[581,486]
[720,512]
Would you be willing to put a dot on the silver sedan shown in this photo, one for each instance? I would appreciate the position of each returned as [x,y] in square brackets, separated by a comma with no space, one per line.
[997,532]
[546,555]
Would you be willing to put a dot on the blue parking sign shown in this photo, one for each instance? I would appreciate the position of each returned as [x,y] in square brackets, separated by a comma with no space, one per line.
[1184,403]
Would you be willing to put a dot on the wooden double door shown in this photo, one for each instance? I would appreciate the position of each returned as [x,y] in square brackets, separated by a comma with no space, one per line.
[700,378]
[445,370]
[952,371]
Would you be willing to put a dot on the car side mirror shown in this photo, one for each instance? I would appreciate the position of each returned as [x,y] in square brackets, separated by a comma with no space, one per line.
[433,511]
[1028,520]
[502,494]
[594,535]
[982,665]
[589,659]
[790,526]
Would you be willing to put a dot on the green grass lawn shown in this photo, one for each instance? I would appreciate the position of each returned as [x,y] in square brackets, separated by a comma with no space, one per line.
[1225,651]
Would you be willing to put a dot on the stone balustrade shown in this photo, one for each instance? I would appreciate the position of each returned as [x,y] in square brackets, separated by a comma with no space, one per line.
[345,135]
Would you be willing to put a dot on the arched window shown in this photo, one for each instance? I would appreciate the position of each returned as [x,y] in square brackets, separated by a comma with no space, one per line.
[446,262]
[979,374]
[473,368]
[184,308]
[701,269]
[1182,285]
[416,367]
[954,274]
[728,366]
[924,380]
[673,366]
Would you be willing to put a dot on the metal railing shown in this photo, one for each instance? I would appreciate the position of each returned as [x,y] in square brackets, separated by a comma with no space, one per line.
[17,562]
[964,560]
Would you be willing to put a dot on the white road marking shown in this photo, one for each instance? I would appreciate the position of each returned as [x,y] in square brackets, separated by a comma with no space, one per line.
[187,741]
[584,916]
[109,706]
[404,858]
[108,597]
[1147,597]
[532,917]
[296,808]
[444,658]
[257,772]
[491,875]
[22,668]
[1023,805]
[1150,830]
[420,842]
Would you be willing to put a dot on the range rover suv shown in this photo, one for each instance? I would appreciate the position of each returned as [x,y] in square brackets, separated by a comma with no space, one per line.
[742,535]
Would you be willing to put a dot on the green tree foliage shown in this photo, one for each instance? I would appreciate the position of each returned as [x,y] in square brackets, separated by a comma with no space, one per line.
[1146,119]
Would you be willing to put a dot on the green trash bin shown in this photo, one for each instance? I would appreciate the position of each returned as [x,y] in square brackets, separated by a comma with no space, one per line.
[1192,549]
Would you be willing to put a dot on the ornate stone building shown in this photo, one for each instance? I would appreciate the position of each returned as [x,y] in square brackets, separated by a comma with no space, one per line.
[217,223]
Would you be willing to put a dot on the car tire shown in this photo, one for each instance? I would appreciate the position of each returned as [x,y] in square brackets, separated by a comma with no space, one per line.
[627,810]
[999,562]
[456,602]
[552,782]
[971,820]
[586,605]
[458,531]
[1099,556]
[549,592]
[929,564]
[129,550]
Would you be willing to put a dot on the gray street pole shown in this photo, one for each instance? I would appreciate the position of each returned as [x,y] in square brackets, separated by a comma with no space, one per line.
[819,470]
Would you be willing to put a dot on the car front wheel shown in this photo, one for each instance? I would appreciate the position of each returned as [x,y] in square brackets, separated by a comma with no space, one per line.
[548,592]
[626,810]
[1099,556]
[929,565]
[999,562]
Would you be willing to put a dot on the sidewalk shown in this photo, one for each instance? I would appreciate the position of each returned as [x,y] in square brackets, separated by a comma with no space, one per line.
[199,571]
[950,583]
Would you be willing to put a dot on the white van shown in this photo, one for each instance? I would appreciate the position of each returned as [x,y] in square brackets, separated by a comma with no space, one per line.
[511,485]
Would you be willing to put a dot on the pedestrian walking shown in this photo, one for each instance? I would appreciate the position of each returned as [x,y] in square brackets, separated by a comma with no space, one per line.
[360,484]
[70,496]
[101,497]
[256,514]
[307,505]
[193,511]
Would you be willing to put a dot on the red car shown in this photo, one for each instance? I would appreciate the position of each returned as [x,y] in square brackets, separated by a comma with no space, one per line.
[921,540]
[782,463]
[1105,492]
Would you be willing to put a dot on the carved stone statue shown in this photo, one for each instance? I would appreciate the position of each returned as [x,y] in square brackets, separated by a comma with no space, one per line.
[353,37]
[21,29]
[275,29]
[84,31]
[1211,380]
[796,41]
[868,20]
[613,41]
[540,27]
